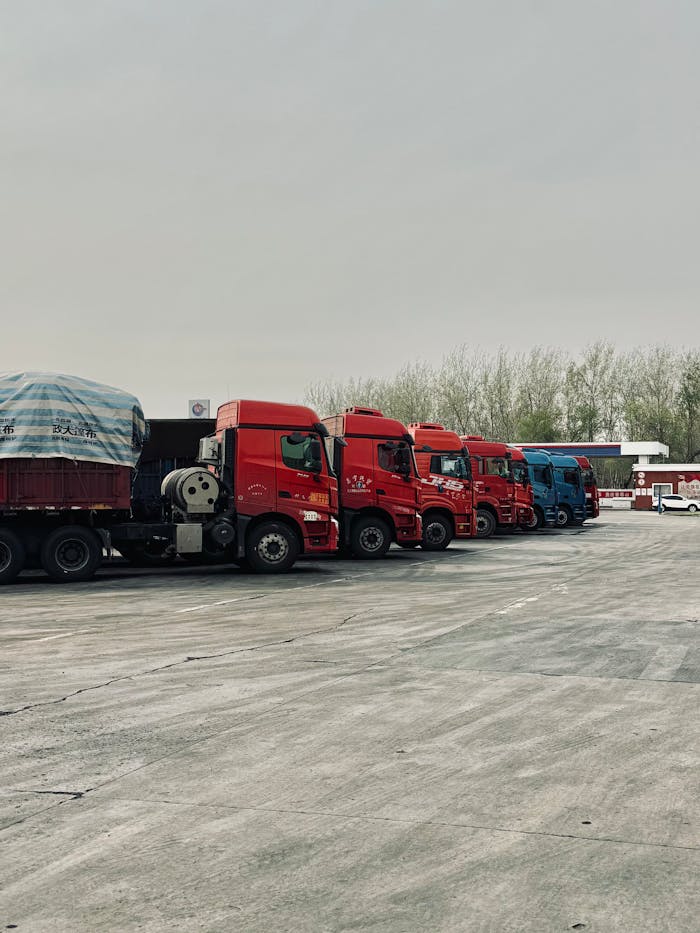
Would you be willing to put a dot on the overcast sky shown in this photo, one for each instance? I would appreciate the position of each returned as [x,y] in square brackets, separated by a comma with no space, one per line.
[228,199]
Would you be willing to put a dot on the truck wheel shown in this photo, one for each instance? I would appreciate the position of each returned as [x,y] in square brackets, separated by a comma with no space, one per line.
[485,523]
[370,538]
[12,556]
[272,548]
[437,533]
[71,554]
[564,517]
[536,523]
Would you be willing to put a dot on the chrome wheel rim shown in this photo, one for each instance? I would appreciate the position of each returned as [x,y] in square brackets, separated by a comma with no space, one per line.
[435,533]
[273,547]
[371,538]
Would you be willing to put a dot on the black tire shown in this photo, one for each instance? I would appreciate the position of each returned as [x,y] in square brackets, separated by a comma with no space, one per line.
[370,538]
[271,548]
[564,516]
[485,523]
[12,556]
[437,533]
[71,554]
[692,508]
[536,523]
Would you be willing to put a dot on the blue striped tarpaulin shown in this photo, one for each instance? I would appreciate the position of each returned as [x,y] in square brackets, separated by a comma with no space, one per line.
[54,415]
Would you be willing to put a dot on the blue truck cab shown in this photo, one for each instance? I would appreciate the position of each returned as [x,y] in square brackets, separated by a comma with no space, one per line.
[541,471]
[571,493]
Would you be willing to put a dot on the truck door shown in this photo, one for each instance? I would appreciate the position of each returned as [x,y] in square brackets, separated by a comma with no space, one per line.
[302,483]
[392,489]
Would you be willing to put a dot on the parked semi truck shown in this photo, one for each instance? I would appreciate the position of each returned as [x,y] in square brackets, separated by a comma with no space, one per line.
[264,491]
[541,471]
[446,485]
[590,485]
[524,493]
[569,491]
[496,498]
[378,483]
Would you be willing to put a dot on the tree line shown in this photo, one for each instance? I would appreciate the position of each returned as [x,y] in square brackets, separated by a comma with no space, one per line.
[545,395]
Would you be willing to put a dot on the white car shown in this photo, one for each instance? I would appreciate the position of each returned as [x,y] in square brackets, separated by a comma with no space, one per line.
[676,503]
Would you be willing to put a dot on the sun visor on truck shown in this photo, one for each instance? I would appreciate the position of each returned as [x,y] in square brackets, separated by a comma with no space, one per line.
[52,415]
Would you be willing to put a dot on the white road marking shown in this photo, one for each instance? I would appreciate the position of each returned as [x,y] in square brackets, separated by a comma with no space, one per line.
[517,605]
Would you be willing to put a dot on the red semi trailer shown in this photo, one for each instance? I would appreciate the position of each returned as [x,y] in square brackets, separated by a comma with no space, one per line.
[264,495]
[378,483]
[446,485]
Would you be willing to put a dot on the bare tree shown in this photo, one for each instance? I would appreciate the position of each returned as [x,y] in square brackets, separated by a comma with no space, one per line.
[688,401]
[592,393]
[497,379]
[540,384]
[459,386]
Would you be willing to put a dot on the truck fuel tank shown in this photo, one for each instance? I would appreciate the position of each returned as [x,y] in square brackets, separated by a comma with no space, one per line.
[192,490]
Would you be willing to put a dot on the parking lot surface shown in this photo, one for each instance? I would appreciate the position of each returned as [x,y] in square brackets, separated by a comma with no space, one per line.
[502,737]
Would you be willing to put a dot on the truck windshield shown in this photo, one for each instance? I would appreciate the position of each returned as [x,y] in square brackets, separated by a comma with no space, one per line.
[588,477]
[329,448]
[450,465]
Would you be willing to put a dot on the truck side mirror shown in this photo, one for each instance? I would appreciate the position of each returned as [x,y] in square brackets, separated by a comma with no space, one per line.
[295,438]
[315,450]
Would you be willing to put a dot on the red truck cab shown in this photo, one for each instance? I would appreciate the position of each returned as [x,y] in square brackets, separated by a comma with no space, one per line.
[494,485]
[446,485]
[591,486]
[379,487]
[283,494]
[524,493]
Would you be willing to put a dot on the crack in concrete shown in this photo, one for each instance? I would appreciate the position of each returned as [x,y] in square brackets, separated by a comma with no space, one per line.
[186,660]
[573,675]
[364,817]
[71,794]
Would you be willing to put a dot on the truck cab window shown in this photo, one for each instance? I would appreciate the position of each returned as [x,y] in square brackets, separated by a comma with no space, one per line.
[571,477]
[449,465]
[496,466]
[395,459]
[303,456]
[542,474]
[520,473]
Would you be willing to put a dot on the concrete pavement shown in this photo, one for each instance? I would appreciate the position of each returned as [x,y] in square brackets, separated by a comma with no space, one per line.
[501,737]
